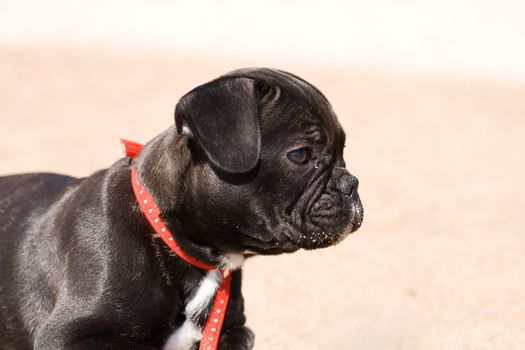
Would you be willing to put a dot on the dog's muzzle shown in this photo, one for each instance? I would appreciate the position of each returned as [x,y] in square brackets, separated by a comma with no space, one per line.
[335,213]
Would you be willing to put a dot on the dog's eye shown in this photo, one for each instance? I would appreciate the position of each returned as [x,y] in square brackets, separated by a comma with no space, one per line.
[299,156]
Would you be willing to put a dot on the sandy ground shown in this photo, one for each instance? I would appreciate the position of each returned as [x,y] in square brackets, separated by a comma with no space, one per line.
[440,260]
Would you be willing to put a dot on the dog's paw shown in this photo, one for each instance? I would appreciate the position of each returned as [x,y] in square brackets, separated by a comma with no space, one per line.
[237,338]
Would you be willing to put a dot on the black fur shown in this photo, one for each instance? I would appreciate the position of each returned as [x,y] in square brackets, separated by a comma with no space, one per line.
[80,267]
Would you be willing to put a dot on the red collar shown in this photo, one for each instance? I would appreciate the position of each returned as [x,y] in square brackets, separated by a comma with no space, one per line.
[212,328]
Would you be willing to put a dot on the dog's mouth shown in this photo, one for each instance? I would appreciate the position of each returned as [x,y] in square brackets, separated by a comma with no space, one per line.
[358,215]
[328,217]
[329,229]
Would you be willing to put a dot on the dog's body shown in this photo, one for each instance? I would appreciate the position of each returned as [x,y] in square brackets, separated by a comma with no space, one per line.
[254,166]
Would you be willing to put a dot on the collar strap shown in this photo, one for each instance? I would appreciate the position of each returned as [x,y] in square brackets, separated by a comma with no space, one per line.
[212,328]
[152,213]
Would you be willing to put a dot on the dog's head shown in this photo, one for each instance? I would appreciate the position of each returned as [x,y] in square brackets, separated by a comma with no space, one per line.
[267,173]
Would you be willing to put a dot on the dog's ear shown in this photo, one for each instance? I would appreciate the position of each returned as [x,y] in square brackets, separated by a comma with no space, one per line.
[221,116]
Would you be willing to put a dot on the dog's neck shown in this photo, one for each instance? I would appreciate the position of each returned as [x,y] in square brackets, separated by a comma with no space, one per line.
[164,174]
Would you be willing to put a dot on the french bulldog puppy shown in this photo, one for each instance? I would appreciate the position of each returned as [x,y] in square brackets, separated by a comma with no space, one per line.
[253,166]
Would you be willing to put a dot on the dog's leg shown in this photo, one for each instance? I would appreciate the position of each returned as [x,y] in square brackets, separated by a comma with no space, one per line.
[238,338]
[234,334]
[95,343]
[75,335]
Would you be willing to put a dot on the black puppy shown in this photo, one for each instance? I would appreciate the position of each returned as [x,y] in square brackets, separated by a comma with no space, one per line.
[254,165]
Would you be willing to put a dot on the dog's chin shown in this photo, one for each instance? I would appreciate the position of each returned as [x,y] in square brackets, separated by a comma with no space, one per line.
[272,249]
[318,239]
[314,238]
[322,238]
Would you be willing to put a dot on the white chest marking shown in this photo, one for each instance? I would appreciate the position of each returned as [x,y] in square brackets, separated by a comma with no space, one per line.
[189,333]
[184,337]
[232,261]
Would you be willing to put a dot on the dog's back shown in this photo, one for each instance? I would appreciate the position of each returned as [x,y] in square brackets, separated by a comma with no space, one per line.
[21,196]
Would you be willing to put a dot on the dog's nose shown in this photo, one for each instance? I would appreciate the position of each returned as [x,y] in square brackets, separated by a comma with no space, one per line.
[347,184]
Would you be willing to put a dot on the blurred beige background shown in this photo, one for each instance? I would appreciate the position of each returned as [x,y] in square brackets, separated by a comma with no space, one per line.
[431,94]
